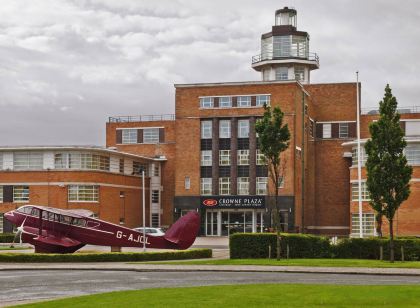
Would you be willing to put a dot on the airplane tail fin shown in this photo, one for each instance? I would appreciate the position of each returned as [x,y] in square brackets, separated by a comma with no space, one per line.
[184,231]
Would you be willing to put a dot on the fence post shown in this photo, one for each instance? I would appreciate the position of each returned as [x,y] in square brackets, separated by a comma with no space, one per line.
[381,252]
[269,251]
[287,251]
[402,253]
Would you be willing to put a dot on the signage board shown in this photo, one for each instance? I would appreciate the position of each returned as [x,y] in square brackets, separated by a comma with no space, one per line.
[232,202]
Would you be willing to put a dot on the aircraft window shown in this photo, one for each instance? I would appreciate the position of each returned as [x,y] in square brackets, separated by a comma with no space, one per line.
[56,217]
[50,216]
[25,209]
[65,219]
[79,222]
[35,212]
[21,210]
[45,215]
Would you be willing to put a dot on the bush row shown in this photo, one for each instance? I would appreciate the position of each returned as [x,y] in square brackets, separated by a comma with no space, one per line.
[107,257]
[254,245]
[6,237]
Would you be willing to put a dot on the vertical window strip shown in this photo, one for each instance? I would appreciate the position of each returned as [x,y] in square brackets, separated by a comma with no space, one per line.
[368,224]
[155,196]
[355,192]
[155,220]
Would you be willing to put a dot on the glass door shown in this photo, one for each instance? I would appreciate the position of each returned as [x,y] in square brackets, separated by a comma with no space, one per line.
[211,223]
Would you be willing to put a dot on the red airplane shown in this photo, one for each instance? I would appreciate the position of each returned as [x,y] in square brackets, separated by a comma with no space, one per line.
[53,230]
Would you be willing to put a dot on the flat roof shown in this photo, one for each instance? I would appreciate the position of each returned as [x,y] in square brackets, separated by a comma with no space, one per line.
[235,83]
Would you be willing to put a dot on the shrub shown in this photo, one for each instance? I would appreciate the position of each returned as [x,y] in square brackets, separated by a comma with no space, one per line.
[256,245]
[6,237]
[107,257]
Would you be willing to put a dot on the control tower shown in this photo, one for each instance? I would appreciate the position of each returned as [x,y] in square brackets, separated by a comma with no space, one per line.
[285,51]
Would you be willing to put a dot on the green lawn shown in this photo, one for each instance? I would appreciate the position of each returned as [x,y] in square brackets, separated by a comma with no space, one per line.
[262,295]
[15,248]
[302,262]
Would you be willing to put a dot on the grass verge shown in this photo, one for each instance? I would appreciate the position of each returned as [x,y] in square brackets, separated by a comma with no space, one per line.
[304,262]
[261,295]
[15,248]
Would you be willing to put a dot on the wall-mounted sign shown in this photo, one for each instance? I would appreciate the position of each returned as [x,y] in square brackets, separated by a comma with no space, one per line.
[233,202]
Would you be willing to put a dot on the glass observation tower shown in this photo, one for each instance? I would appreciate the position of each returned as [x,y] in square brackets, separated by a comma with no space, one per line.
[285,51]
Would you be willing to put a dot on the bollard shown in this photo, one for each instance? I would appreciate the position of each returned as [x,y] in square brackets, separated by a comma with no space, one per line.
[269,251]
[381,253]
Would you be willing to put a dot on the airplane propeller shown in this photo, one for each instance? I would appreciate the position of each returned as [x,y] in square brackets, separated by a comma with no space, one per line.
[18,234]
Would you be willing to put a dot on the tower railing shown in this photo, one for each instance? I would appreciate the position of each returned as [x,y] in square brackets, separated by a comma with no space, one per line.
[311,56]
[142,118]
[401,110]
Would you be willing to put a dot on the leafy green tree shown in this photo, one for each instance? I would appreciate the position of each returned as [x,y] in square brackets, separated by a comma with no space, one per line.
[388,174]
[273,139]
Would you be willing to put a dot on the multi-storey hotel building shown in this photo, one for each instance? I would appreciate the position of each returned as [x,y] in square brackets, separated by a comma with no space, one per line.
[208,160]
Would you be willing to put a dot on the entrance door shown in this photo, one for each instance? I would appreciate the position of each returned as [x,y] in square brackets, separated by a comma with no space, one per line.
[211,223]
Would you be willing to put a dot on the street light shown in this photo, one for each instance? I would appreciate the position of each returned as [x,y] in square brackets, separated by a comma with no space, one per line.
[144,212]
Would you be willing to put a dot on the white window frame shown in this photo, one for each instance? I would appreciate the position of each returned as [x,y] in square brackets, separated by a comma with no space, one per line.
[206,102]
[263,99]
[363,156]
[243,157]
[343,130]
[368,224]
[1,161]
[206,186]
[412,153]
[260,158]
[326,130]
[244,101]
[28,160]
[243,128]
[21,193]
[206,158]
[151,135]
[155,220]
[355,192]
[224,186]
[83,193]
[243,185]
[300,73]
[206,129]
[187,182]
[129,136]
[225,102]
[155,196]
[224,129]
[1,194]
[282,73]
[261,185]
[224,157]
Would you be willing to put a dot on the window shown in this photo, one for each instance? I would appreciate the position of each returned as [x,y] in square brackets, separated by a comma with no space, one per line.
[20,193]
[244,101]
[1,222]
[27,160]
[343,130]
[129,136]
[282,73]
[205,186]
[368,224]
[311,128]
[243,186]
[206,158]
[1,161]
[138,168]
[326,130]
[155,196]
[155,220]
[412,128]
[412,152]
[266,74]
[225,102]
[151,135]
[81,161]
[299,73]
[243,128]
[243,157]
[224,186]
[261,186]
[224,157]
[206,129]
[281,182]
[187,182]
[261,160]
[83,193]
[1,195]
[156,169]
[224,129]
[206,102]
[121,165]
[355,192]
[263,99]
[363,156]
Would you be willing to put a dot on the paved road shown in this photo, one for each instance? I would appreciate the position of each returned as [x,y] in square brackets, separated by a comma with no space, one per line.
[18,286]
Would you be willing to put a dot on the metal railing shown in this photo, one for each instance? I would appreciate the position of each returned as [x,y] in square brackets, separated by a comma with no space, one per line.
[142,118]
[311,56]
[401,110]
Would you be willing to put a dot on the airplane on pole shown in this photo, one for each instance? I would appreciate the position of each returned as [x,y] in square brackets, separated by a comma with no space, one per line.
[53,230]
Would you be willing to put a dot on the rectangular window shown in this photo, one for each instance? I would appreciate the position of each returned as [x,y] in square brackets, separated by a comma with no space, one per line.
[224,129]
[261,184]
[355,192]
[187,182]
[206,129]
[412,152]
[206,158]
[155,196]
[129,136]
[151,135]
[27,160]
[225,102]
[155,169]
[83,193]
[205,186]
[244,101]
[155,220]
[261,160]
[282,73]
[368,224]
[243,186]
[1,194]
[121,166]
[363,156]
[81,161]
[343,130]
[224,186]
[138,168]
[224,157]
[206,102]
[326,130]
[243,157]
[243,129]
[1,161]
[20,193]
[263,99]
[266,74]
[412,128]
[299,73]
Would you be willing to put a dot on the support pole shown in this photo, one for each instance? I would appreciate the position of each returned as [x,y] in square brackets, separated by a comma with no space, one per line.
[144,212]
[359,163]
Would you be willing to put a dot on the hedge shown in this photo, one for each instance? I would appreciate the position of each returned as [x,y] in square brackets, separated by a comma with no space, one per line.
[106,257]
[6,237]
[256,245]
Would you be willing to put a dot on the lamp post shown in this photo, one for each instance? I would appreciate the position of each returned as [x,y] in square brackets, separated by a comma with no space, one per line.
[144,212]
[359,164]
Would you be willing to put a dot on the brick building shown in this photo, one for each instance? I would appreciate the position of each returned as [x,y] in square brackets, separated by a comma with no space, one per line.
[207,155]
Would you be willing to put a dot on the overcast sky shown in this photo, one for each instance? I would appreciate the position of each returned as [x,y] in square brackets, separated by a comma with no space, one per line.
[65,66]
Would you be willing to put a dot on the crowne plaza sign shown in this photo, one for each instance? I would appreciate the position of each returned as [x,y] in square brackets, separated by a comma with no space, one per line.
[233,202]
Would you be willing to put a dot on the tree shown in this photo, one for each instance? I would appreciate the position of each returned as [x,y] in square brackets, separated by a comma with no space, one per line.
[388,174]
[273,139]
